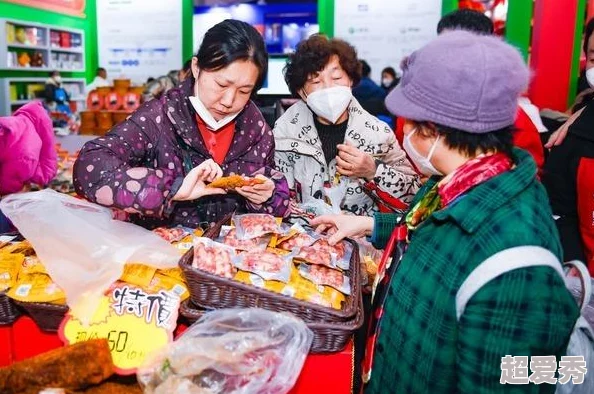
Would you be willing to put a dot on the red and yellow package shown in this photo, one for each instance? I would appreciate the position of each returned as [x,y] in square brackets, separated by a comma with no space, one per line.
[138,274]
[10,265]
[32,265]
[325,276]
[36,288]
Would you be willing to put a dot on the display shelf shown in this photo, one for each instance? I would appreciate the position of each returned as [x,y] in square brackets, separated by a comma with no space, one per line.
[74,86]
[62,48]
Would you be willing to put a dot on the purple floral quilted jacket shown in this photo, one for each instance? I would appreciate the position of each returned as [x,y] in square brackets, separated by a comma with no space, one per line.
[140,164]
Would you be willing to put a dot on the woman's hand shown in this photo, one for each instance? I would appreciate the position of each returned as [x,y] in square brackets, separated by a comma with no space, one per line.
[558,136]
[343,226]
[259,193]
[354,162]
[194,186]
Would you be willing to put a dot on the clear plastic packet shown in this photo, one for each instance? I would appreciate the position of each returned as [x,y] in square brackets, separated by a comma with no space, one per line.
[174,234]
[228,236]
[322,253]
[254,225]
[267,264]
[231,351]
[297,237]
[213,257]
[325,276]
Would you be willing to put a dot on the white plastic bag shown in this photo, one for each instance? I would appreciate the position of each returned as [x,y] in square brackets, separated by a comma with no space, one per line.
[334,196]
[231,351]
[82,248]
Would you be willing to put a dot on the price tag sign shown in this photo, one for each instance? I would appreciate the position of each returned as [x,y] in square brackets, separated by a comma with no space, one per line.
[135,323]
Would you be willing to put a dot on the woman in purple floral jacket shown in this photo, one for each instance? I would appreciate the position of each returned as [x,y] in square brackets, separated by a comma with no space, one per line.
[155,164]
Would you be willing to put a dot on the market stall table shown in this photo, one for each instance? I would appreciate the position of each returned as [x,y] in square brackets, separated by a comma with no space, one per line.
[329,374]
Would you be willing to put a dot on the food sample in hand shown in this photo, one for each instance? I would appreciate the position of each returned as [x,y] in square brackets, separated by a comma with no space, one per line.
[233,181]
[213,257]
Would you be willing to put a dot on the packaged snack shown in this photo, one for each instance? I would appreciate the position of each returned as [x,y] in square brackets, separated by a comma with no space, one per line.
[322,253]
[233,181]
[10,264]
[325,276]
[298,237]
[138,274]
[228,236]
[168,283]
[214,257]
[254,225]
[23,247]
[174,234]
[267,264]
[36,288]
[175,273]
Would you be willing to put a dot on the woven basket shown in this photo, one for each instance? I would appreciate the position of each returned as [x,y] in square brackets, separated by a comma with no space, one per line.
[8,310]
[216,292]
[47,316]
[328,337]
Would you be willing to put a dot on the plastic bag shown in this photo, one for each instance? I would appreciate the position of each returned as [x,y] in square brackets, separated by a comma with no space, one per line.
[255,225]
[334,196]
[213,257]
[228,236]
[266,264]
[235,351]
[324,276]
[82,248]
[322,253]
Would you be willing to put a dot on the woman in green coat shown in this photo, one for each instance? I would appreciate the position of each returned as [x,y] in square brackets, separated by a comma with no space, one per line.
[483,201]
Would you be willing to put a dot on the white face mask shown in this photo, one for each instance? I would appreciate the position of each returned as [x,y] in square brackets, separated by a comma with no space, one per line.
[423,164]
[330,103]
[58,79]
[590,77]
[387,82]
[205,115]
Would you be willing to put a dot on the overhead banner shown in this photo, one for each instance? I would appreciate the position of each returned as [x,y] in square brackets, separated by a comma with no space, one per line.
[69,7]
[384,32]
[138,39]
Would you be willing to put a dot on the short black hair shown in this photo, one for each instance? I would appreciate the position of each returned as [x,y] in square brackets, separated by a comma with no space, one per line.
[587,34]
[468,20]
[54,73]
[101,69]
[389,70]
[233,40]
[313,54]
[500,140]
[365,69]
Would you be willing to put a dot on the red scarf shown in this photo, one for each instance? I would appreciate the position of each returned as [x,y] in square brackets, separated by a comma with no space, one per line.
[471,174]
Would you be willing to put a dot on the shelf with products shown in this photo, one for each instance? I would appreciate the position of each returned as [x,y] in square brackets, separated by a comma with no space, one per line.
[27,46]
[15,92]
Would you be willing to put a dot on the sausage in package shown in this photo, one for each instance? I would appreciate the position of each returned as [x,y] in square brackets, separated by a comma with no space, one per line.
[325,276]
[297,237]
[213,257]
[174,234]
[228,236]
[254,225]
[266,264]
[322,253]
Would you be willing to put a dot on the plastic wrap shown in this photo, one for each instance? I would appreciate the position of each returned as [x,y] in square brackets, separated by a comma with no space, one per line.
[255,225]
[268,265]
[213,257]
[232,351]
[82,248]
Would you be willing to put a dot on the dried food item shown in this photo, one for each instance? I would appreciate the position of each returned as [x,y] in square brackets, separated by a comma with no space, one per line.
[228,236]
[71,367]
[254,225]
[214,257]
[325,276]
[269,265]
[174,234]
[322,253]
[233,181]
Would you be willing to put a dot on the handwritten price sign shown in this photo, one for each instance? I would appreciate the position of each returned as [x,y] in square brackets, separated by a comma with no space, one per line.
[135,323]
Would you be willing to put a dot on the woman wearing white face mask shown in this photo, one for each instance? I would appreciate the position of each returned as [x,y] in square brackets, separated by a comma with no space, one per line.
[156,164]
[327,133]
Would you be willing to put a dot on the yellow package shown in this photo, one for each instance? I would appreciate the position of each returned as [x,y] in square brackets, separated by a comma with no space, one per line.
[138,274]
[297,287]
[10,264]
[23,247]
[163,282]
[175,273]
[36,288]
[32,265]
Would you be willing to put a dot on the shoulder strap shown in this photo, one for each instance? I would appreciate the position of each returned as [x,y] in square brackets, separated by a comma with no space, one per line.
[500,263]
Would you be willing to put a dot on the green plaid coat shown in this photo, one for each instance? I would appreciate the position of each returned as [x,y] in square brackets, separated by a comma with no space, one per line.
[421,347]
